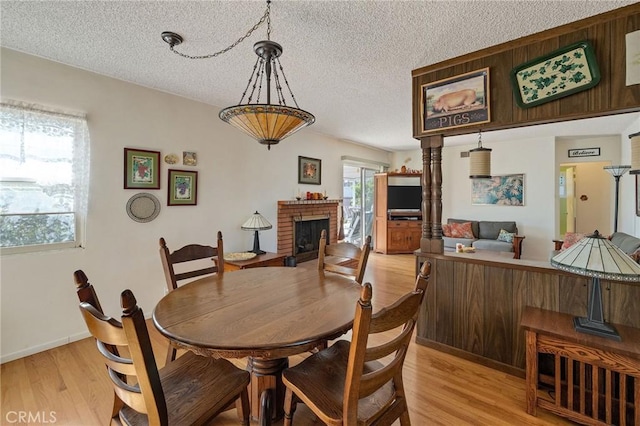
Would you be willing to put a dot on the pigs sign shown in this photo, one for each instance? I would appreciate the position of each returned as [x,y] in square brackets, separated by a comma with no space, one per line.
[458,101]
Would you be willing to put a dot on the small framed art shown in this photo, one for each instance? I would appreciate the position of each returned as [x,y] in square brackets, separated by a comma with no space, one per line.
[183,188]
[309,170]
[141,169]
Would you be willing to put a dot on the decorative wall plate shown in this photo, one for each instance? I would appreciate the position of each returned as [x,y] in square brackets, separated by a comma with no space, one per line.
[171,158]
[143,207]
[239,256]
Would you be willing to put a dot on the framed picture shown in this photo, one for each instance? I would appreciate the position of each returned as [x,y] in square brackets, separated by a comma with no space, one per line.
[561,73]
[458,101]
[309,170]
[189,158]
[141,169]
[506,190]
[183,188]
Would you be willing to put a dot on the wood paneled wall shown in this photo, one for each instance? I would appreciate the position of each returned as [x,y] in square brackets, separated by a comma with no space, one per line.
[607,34]
[473,308]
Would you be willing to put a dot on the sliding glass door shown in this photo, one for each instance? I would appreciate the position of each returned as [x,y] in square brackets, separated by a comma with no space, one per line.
[358,203]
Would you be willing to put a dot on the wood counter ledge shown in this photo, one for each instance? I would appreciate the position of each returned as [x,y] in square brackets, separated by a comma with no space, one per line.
[475,302]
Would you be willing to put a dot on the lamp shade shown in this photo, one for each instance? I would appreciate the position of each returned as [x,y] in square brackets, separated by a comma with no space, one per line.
[480,163]
[256,222]
[616,171]
[268,124]
[635,153]
[597,257]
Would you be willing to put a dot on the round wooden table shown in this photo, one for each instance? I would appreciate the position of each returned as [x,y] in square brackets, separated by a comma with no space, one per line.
[265,314]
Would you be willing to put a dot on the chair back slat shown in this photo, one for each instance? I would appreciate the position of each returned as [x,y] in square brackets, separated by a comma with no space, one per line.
[105,329]
[351,259]
[197,273]
[193,252]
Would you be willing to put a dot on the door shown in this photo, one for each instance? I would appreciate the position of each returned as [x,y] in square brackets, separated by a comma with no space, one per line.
[358,187]
[566,192]
[585,194]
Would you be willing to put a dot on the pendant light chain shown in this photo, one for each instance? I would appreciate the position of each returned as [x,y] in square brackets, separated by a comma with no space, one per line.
[255,67]
[480,138]
[266,17]
[286,82]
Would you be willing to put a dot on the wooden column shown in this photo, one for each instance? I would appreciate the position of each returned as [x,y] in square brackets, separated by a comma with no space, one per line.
[426,192]
[431,241]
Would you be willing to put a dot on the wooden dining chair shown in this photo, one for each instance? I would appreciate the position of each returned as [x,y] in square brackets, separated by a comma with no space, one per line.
[344,258]
[87,294]
[189,255]
[189,391]
[351,383]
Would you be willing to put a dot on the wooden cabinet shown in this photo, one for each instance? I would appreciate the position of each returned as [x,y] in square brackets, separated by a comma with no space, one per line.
[403,236]
[593,380]
[394,232]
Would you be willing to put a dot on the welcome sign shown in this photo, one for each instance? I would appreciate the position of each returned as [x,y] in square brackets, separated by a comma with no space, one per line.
[584,152]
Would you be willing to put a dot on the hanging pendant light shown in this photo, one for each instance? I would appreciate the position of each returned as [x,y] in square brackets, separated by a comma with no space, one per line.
[480,161]
[265,122]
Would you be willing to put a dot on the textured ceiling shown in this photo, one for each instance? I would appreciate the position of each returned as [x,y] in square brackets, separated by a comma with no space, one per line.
[348,62]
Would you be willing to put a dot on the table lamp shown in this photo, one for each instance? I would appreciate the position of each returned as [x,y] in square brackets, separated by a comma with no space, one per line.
[256,223]
[596,257]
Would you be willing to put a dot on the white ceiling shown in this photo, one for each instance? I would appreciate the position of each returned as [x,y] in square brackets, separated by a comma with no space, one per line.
[348,62]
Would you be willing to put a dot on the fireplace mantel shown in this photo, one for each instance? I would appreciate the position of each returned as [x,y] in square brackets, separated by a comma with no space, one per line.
[303,202]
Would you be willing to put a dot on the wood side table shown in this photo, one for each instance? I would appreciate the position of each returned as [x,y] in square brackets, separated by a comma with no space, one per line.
[267,259]
[594,380]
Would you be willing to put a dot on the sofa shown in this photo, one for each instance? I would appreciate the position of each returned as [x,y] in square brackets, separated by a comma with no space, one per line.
[625,242]
[485,235]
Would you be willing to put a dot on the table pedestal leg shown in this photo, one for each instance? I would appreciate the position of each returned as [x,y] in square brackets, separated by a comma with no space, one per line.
[266,375]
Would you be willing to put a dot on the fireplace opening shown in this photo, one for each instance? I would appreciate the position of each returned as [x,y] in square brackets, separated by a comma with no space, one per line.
[306,236]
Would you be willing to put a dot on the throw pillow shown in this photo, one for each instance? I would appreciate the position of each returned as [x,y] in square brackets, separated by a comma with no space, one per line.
[446,230]
[570,238]
[461,230]
[505,236]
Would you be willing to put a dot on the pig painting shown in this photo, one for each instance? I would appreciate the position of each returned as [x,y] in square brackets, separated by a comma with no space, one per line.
[465,98]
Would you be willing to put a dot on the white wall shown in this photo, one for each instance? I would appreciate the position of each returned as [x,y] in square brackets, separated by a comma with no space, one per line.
[535,219]
[236,176]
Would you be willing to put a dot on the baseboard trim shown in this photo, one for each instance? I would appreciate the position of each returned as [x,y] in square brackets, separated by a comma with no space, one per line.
[46,346]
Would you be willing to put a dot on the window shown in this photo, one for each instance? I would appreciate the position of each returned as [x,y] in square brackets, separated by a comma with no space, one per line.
[44,178]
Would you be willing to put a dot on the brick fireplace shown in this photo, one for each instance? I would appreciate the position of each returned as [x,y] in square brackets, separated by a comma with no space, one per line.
[292,211]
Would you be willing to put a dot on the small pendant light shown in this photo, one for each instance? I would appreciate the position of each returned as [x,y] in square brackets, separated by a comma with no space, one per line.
[480,161]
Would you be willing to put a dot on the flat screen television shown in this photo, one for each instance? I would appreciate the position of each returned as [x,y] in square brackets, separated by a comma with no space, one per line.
[404,197]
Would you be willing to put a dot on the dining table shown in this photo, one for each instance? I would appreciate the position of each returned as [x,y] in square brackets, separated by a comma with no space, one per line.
[263,314]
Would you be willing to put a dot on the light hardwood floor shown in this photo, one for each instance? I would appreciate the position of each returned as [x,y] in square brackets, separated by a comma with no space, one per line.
[71,380]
